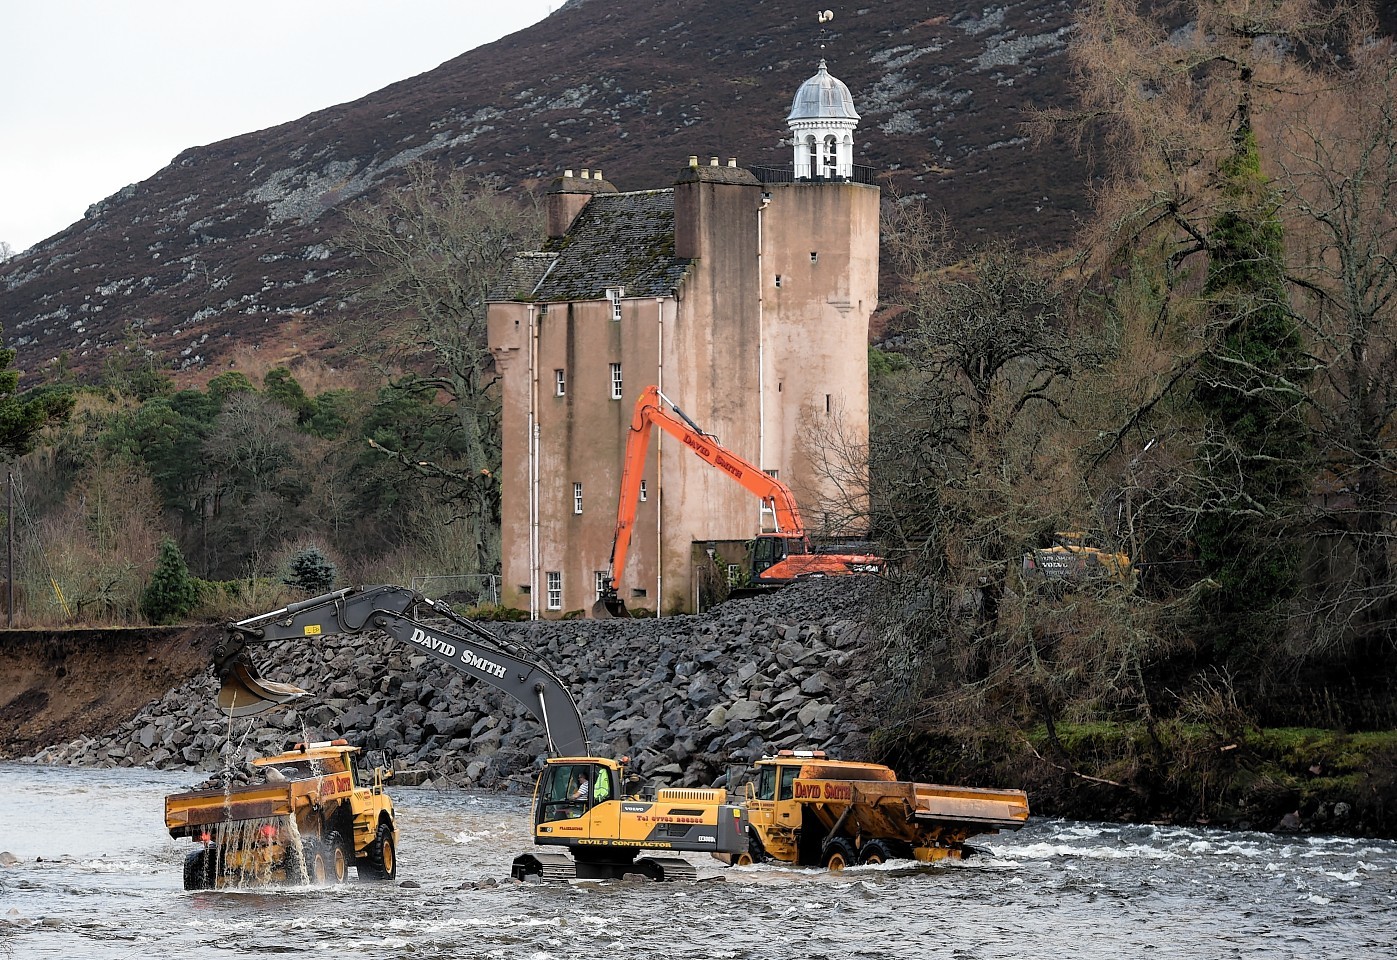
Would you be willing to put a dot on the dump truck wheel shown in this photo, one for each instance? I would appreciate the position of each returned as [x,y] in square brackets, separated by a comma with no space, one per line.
[838,855]
[198,871]
[755,852]
[317,863]
[336,858]
[875,851]
[383,856]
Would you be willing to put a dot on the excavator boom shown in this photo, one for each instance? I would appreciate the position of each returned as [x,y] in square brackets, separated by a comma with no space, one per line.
[650,411]
[464,646]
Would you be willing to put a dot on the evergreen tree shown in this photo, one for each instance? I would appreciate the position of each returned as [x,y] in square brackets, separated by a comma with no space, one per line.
[1249,389]
[22,416]
[310,570]
[171,593]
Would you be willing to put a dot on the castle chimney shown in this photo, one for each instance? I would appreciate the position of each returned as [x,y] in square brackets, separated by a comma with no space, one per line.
[567,196]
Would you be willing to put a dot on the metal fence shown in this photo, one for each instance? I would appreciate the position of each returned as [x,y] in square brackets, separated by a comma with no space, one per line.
[467,589]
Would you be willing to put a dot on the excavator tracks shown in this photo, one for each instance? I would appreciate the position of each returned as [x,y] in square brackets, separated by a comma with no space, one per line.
[543,866]
[666,868]
[546,867]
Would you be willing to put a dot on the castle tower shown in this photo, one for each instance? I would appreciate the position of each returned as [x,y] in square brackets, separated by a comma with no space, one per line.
[822,122]
[745,296]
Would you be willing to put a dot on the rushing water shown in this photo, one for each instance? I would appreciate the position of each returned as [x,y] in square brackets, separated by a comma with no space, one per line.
[99,878]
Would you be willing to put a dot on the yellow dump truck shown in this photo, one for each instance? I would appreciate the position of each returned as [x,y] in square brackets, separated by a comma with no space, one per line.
[808,810]
[315,815]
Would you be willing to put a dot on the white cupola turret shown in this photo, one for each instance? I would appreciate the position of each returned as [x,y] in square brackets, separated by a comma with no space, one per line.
[822,122]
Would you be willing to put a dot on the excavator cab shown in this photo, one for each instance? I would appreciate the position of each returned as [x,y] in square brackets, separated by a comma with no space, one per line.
[769,549]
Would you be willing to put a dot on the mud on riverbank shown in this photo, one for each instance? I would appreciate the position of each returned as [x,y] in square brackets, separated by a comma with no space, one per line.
[56,685]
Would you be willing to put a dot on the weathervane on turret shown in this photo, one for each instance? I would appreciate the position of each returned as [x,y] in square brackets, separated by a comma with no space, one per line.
[822,122]
[824,17]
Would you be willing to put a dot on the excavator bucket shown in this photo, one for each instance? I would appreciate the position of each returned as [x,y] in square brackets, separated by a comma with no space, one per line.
[245,694]
[610,608]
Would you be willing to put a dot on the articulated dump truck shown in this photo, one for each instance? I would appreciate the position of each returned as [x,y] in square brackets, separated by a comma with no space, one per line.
[807,810]
[314,817]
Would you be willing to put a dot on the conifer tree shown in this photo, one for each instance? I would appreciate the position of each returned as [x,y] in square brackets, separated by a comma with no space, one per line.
[310,570]
[1249,388]
[171,593]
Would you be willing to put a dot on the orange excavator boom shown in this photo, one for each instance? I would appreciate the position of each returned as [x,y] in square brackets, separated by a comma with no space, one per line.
[651,411]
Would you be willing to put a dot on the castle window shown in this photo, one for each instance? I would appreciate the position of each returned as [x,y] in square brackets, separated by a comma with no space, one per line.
[555,589]
[616,383]
[577,498]
[778,279]
[644,494]
[560,383]
[602,580]
[613,294]
[814,256]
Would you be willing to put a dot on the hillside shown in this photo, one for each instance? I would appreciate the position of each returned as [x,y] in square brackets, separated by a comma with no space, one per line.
[233,243]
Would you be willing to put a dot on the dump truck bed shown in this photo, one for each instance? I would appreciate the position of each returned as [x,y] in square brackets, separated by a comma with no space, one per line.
[257,801]
[309,777]
[900,809]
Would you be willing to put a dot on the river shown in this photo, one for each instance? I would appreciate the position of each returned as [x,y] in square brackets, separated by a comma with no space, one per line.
[99,878]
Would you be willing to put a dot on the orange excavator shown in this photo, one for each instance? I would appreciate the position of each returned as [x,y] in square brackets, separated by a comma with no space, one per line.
[777,557]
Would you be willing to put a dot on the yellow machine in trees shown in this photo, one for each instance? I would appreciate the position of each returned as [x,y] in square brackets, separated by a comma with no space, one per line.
[316,815]
[581,803]
[1071,557]
[808,810]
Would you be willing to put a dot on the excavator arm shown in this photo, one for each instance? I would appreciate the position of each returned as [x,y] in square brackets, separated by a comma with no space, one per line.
[650,411]
[465,647]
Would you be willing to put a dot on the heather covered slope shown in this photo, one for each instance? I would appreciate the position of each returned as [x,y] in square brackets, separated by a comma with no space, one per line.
[233,242]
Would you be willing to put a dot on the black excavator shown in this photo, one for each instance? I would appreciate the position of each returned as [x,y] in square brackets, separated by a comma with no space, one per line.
[602,827]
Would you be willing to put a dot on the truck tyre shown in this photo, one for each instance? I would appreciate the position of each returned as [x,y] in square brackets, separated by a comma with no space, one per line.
[383,856]
[198,870]
[876,851]
[336,859]
[317,863]
[756,853]
[838,855]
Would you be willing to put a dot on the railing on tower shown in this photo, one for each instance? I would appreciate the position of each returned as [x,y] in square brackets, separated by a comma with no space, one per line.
[857,174]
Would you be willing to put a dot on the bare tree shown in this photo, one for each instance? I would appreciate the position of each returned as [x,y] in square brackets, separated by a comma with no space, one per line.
[1338,163]
[429,253]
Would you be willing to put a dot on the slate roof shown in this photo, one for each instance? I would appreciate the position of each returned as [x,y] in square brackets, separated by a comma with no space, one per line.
[618,240]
